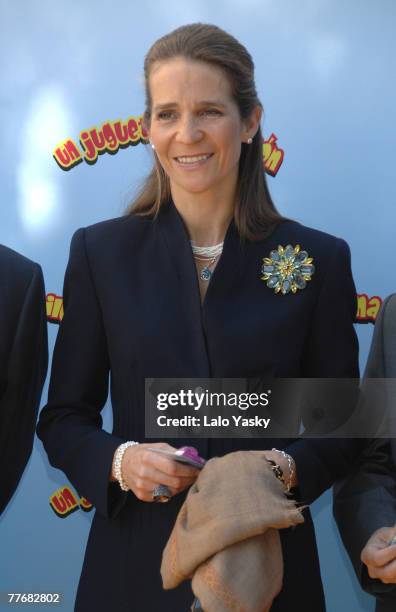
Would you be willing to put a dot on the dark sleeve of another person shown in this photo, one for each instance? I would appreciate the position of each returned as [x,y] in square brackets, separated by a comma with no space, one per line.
[366,500]
[23,362]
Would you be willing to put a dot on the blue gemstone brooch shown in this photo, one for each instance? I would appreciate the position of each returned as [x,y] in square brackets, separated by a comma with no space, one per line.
[287,269]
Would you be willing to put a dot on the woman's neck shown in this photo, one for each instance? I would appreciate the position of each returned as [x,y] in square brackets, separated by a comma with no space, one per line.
[206,218]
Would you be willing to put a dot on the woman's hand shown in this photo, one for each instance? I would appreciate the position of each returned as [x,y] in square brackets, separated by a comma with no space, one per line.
[142,470]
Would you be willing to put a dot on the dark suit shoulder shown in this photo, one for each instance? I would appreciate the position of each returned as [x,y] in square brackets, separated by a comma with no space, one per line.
[105,236]
[113,228]
[21,291]
[11,261]
[294,231]
[325,249]
[389,305]
[16,273]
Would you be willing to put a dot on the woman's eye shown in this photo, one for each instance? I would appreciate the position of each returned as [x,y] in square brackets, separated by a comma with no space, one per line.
[170,115]
[165,115]
[211,111]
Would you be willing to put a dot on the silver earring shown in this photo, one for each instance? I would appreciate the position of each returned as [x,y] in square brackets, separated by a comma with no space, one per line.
[249,140]
[152,146]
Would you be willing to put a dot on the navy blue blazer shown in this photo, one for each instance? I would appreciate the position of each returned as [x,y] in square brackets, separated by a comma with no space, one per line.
[132,309]
[23,363]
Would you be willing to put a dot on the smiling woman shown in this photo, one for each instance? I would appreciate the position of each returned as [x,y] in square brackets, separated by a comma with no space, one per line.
[201,100]
[203,119]
[194,302]
[197,144]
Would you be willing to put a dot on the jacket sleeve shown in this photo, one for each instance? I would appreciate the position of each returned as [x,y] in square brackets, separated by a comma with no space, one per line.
[70,425]
[366,500]
[331,352]
[26,371]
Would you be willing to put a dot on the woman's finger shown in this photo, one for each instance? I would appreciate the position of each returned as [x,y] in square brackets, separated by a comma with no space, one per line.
[153,475]
[167,465]
[143,489]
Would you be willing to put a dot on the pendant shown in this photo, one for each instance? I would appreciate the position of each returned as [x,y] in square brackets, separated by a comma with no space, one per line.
[205,274]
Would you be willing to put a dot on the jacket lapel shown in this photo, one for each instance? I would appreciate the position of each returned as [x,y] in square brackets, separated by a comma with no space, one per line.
[223,282]
[184,289]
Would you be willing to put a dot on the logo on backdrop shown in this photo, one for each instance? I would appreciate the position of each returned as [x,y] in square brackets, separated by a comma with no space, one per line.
[54,307]
[111,136]
[367,310]
[272,156]
[108,137]
[64,502]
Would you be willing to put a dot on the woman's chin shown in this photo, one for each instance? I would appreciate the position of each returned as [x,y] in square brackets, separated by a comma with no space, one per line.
[196,186]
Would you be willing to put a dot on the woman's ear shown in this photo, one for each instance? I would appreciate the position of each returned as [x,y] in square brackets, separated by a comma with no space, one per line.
[149,137]
[252,123]
[146,127]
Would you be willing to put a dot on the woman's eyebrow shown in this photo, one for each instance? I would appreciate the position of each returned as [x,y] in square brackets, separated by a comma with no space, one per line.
[200,103]
[211,102]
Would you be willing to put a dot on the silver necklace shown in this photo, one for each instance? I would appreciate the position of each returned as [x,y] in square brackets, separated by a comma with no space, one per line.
[203,254]
[207,251]
[206,272]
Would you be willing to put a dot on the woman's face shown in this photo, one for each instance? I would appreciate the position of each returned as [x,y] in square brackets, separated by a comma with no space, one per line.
[195,125]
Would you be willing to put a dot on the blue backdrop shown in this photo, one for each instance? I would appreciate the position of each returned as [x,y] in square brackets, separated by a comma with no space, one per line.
[325,73]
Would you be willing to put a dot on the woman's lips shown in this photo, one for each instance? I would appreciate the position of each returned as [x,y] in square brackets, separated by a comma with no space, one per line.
[192,161]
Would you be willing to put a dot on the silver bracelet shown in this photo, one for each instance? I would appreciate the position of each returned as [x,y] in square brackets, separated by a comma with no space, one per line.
[119,454]
[292,467]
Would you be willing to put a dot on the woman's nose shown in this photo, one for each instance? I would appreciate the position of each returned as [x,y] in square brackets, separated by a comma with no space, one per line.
[189,130]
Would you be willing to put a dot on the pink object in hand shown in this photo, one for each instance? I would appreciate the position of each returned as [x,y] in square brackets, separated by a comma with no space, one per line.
[190,452]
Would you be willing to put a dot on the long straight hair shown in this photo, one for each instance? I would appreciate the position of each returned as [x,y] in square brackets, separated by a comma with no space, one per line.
[255,214]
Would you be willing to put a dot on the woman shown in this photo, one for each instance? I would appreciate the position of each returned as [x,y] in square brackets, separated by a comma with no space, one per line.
[160,308]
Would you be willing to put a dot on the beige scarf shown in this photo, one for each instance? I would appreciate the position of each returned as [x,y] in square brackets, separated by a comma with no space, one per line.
[226,535]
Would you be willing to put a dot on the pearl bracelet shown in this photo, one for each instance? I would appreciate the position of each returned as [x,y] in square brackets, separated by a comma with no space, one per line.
[292,467]
[119,454]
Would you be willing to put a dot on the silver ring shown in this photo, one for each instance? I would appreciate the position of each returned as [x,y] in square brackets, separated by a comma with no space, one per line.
[161,493]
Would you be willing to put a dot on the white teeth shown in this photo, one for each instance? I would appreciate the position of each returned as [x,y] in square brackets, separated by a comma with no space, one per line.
[192,160]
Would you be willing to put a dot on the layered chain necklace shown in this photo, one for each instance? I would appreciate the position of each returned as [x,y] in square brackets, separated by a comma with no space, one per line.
[209,255]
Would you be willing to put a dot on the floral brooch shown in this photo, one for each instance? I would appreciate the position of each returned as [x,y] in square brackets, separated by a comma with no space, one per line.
[287,269]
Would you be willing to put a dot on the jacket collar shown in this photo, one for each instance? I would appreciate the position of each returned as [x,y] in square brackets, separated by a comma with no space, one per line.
[178,243]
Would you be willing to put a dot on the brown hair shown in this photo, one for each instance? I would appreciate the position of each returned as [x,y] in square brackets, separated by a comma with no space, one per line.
[255,214]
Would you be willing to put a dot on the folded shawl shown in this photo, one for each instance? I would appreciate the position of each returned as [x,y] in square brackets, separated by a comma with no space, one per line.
[226,535]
